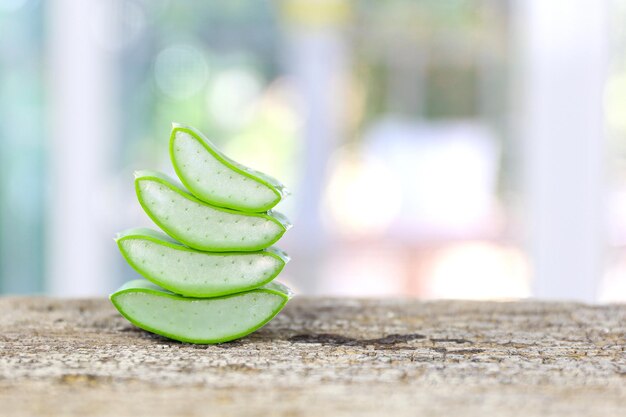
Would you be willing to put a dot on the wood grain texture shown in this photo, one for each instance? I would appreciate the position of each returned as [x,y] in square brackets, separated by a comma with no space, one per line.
[322,358]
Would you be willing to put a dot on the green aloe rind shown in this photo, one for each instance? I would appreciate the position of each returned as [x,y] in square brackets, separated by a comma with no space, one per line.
[216,179]
[203,226]
[209,277]
[199,320]
[192,273]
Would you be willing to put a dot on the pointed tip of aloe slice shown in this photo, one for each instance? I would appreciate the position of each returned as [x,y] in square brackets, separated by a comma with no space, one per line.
[284,255]
[281,218]
[176,125]
[140,173]
[281,288]
[284,191]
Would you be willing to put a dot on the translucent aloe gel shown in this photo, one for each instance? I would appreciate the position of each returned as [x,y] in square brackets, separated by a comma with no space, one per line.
[198,320]
[210,277]
[192,273]
[202,226]
[216,179]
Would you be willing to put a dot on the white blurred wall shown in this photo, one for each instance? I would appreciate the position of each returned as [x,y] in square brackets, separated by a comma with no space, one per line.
[562,72]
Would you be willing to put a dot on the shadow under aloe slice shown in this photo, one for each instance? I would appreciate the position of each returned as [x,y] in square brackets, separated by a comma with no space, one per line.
[202,226]
[199,320]
[192,273]
[216,179]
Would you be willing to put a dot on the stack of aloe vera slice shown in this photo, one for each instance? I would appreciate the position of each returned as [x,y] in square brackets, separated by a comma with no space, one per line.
[209,277]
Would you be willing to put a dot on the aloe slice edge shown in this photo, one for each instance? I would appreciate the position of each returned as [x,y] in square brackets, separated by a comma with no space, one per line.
[203,226]
[192,273]
[202,321]
[216,179]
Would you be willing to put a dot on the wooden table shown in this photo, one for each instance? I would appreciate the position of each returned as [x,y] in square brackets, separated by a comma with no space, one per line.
[321,357]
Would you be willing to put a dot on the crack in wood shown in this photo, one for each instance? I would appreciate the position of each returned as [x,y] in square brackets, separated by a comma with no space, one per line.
[339,340]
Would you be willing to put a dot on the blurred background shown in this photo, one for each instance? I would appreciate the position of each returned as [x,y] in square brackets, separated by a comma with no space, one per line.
[434,148]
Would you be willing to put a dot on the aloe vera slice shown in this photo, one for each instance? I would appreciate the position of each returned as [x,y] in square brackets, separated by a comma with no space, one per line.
[216,179]
[198,320]
[191,273]
[202,226]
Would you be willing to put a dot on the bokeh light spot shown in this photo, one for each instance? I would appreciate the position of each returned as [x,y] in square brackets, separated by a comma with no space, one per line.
[181,71]
[232,97]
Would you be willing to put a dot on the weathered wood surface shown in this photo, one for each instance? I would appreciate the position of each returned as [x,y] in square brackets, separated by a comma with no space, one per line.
[320,357]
